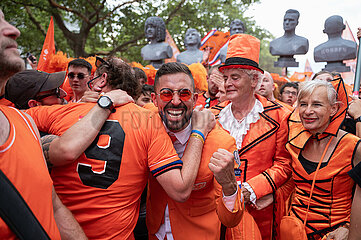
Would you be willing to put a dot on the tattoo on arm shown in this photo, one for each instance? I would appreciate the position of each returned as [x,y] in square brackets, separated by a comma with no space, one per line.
[46,141]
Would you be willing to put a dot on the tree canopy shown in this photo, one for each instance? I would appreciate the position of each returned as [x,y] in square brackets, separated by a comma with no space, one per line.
[88,27]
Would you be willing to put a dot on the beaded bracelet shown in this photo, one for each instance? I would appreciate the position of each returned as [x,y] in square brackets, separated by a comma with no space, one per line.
[200,133]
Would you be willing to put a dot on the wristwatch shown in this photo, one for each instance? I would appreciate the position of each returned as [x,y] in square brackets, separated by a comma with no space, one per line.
[105,102]
[358,119]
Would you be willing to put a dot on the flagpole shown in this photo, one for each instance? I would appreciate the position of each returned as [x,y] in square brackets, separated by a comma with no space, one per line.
[356,85]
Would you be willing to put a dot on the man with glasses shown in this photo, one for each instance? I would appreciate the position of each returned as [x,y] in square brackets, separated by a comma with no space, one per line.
[79,73]
[202,214]
[31,88]
[115,152]
[288,93]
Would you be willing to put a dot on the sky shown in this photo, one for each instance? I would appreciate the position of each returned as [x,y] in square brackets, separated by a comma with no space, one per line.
[313,14]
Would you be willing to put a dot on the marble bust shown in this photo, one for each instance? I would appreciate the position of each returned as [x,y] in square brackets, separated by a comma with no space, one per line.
[336,49]
[157,50]
[192,42]
[289,44]
[235,27]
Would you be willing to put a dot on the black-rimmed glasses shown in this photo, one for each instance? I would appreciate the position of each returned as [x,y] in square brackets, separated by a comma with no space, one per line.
[55,92]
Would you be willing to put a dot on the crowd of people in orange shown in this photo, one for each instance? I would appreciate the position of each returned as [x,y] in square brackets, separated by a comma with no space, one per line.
[96,152]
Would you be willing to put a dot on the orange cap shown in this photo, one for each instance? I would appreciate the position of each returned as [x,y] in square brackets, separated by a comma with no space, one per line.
[243,52]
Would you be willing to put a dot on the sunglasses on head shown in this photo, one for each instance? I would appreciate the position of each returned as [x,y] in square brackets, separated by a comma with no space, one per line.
[99,61]
[167,94]
[80,76]
[55,92]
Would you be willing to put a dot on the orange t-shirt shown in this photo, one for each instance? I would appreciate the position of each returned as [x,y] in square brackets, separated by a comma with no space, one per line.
[5,102]
[103,186]
[22,161]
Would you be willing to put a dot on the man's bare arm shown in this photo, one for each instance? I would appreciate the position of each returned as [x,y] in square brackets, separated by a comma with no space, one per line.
[68,227]
[179,183]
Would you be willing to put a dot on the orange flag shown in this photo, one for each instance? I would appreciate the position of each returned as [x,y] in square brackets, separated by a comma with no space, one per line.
[170,41]
[48,49]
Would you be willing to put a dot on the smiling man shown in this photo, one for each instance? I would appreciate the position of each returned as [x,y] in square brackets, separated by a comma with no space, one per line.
[259,128]
[202,214]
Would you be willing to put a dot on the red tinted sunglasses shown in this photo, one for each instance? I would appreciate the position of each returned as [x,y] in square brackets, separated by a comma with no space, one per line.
[166,94]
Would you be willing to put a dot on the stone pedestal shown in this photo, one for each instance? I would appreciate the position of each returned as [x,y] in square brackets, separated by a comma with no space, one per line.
[286,61]
[336,66]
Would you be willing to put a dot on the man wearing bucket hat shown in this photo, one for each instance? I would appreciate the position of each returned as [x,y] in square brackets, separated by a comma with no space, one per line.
[32,88]
[259,128]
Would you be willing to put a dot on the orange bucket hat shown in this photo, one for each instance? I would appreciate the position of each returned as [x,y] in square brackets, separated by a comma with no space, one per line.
[243,52]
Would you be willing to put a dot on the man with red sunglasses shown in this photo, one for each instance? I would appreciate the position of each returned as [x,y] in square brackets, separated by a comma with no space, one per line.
[214,198]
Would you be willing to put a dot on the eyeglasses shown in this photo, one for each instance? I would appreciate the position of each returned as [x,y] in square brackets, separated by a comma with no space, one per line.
[90,82]
[167,94]
[290,93]
[55,92]
[80,76]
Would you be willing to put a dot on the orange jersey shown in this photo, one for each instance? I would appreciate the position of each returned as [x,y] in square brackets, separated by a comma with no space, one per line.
[331,200]
[201,215]
[22,161]
[103,186]
[5,102]
[210,102]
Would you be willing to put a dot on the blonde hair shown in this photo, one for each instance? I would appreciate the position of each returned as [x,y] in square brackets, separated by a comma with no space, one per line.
[308,87]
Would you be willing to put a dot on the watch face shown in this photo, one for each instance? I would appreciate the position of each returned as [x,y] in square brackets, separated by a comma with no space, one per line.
[104,102]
